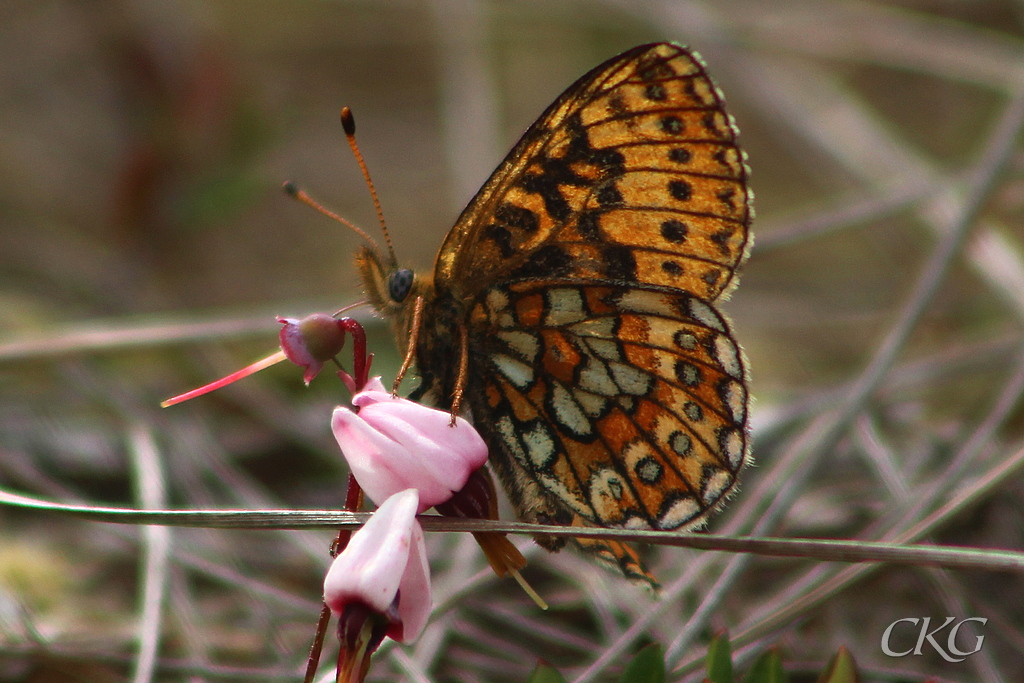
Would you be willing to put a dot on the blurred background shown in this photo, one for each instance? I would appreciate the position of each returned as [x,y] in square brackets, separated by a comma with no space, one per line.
[146,246]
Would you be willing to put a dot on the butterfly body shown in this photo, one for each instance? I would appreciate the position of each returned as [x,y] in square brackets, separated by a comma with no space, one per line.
[573,305]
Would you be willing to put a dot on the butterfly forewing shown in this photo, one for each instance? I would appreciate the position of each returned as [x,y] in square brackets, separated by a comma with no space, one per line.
[632,174]
[609,388]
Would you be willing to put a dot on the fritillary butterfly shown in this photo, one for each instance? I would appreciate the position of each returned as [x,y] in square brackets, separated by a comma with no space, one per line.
[573,305]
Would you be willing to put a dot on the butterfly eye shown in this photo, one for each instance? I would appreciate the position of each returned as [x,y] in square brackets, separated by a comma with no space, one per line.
[400,284]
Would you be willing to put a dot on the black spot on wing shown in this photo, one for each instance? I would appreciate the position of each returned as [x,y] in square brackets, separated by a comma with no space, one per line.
[672,268]
[501,237]
[656,92]
[680,155]
[548,261]
[674,231]
[588,225]
[620,263]
[721,239]
[608,196]
[673,125]
[517,217]
[680,189]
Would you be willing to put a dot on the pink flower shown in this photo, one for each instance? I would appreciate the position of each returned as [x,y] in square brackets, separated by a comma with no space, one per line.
[384,567]
[380,584]
[393,444]
[311,342]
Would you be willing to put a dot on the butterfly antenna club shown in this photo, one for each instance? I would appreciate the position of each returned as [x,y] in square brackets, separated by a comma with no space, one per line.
[348,124]
[295,192]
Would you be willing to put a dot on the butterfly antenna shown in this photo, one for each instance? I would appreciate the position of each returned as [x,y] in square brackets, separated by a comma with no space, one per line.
[348,124]
[295,192]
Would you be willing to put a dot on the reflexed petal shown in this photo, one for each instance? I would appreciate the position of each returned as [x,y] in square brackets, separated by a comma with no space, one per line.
[381,465]
[416,446]
[440,469]
[462,440]
[414,601]
[373,564]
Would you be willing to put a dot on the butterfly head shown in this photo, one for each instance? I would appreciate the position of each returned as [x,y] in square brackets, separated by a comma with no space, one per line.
[388,287]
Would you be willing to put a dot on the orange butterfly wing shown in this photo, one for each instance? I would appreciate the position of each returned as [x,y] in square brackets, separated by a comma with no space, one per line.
[610,390]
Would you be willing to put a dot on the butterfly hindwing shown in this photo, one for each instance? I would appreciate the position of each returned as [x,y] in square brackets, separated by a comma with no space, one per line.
[627,406]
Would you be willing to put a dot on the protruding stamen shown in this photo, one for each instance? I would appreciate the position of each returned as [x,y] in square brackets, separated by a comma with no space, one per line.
[272,359]
[528,589]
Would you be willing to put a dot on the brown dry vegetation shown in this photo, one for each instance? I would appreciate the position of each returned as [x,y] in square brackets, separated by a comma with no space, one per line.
[145,247]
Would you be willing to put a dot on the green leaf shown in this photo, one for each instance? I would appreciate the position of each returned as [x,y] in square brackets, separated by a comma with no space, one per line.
[545,673]
[647,667]
[841,669]
[719,660]
[766,669]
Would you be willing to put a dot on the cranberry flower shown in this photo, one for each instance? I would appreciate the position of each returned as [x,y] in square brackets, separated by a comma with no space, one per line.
[393,444]
[311,341]
[379,585]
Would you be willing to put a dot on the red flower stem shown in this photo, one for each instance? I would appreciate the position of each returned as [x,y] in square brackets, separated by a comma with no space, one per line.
[360,366]
[353,501]
[313,662]
[353,494]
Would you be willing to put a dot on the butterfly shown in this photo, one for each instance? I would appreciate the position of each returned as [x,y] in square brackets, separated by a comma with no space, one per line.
[572,309]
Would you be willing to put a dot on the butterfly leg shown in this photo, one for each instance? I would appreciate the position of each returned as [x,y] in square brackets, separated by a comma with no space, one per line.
[410,350]
[460,379]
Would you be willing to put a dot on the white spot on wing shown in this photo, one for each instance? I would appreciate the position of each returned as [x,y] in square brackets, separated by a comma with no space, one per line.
[497,300]
[640,301]
[705,315]
[567,412]
[728,356]
[565,306]
[517,372]
[594,378]
[500,312]
[734,449]
[605,348]
[630,380]
[592,404]
[511,438]
[635,522]
[539,447]
[735,398]
[523,343]
[717,485]
[680,512]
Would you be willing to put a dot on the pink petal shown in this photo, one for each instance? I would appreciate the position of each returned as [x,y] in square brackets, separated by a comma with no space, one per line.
[436,469]
[381,465]
[414,446]
[414,601]
[373,564]
[374,392]
[435,425]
